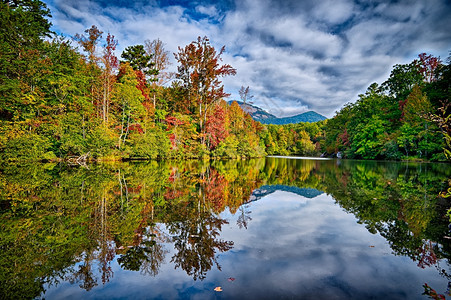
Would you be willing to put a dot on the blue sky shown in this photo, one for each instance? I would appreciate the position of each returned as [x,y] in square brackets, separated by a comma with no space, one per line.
[294,55]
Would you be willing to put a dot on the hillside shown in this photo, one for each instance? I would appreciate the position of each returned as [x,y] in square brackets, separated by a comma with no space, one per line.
[264,117]
[309,117]
[256,112]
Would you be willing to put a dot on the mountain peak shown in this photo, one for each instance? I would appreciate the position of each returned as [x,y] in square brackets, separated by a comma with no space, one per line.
[264,117]
[256,112]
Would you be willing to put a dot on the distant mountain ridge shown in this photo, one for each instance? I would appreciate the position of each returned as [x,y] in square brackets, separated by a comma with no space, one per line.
[309,117]
[256,112]
[264,117]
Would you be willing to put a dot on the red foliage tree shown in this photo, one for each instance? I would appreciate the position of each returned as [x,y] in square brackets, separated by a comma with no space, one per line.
[110,63]
[142,84]
[344,137]
[173,123]
[428,65]
[214,194]
[215,127]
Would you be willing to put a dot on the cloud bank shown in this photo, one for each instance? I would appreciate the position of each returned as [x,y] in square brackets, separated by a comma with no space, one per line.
[294,55]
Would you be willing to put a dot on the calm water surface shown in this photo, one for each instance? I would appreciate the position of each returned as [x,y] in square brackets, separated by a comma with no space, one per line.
[273,228]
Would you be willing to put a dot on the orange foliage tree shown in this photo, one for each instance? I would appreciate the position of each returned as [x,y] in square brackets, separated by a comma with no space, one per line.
[200,72]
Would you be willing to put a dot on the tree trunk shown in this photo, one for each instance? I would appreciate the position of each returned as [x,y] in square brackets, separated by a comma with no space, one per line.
[122,128]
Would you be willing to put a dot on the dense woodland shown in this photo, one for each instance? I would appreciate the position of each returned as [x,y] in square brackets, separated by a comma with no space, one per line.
[407,116]
[74,99]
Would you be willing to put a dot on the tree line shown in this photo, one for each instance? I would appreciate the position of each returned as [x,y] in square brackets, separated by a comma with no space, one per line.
[64,99]
[406,117]
[60,101]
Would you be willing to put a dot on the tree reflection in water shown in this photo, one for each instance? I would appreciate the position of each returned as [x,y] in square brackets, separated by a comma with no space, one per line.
[68,224]
[244,216]
[196,241]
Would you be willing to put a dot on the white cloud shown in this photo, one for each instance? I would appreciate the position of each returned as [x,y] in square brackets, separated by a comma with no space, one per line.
[207,10]
[333,11]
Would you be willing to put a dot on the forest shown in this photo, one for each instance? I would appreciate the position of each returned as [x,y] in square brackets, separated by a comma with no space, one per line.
[406,117]
[75,100]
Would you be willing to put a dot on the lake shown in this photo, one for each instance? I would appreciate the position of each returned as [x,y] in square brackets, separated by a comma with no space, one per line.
[271,228]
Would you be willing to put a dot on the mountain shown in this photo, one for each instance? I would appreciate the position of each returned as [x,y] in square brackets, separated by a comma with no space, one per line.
[256,113]
[309,117]
[264,117]
[265,190]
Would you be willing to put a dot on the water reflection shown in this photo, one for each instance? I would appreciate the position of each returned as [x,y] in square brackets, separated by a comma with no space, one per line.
[62,224]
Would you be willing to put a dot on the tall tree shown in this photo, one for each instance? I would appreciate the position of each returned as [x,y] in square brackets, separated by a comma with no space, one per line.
[215,126]
[402,79]
[200,73]
[129,100]
[417,107]
[245,94]
[160,59]
[245,97]
[23,25]
[144,68]
[139,59]
[110,64]
[89,42]
[428,65]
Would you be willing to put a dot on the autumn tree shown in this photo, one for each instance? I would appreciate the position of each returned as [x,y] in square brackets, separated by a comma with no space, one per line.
[200,72]
[416,114]
[110,64]
[23,25]
[443,121]
[438,90]
[428,65]
[215,126]
[89,42]
[417,106]
[128,99]
[159,59]
[245,94]
[144,68]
